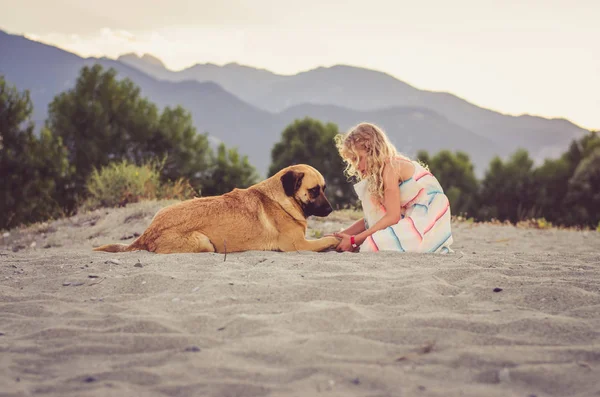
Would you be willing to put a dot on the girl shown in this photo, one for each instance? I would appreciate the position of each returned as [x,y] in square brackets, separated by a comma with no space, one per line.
[405,208]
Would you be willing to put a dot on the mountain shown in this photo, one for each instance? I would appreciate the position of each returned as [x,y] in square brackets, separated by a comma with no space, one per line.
[242,81]
[217,98]
[146,63]
[245,81]
[46,71]
[369,90]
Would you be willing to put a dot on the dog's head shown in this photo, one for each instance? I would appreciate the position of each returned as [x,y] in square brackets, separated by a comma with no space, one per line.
[306,185]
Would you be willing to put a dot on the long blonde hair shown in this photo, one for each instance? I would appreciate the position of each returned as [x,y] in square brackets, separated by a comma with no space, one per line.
[374,141]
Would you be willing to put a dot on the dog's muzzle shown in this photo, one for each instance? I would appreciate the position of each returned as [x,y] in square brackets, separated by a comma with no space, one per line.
[317,208]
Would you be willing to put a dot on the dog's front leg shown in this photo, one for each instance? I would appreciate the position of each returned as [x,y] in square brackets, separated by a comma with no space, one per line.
[302,244]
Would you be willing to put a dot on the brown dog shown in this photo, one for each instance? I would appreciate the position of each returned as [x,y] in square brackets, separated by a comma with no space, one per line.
[269,216]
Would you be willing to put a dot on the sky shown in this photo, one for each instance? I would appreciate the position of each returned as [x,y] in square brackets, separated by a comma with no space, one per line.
[539,57]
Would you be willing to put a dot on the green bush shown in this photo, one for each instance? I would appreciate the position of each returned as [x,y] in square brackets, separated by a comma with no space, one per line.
[120,183]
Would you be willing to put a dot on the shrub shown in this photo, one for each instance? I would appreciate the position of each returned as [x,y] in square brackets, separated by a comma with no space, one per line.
[120,183]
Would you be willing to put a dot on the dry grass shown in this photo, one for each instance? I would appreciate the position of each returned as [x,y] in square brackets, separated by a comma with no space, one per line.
[121,183]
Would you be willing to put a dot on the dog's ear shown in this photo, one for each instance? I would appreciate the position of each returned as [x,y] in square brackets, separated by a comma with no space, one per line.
[291,182]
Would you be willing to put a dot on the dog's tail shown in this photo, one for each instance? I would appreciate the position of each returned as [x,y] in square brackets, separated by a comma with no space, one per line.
[114,248]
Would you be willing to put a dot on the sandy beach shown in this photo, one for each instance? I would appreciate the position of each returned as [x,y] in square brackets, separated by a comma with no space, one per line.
[512,312]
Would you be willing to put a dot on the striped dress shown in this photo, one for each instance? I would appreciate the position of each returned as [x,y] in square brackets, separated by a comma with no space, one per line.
[425,224]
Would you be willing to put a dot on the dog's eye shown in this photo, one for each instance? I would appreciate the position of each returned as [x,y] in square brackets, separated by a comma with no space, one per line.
[314,192]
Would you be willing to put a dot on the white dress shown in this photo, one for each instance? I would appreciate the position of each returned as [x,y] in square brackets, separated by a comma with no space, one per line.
[425,225]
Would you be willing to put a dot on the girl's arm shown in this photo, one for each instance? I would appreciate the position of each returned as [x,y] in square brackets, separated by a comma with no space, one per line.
[391,201]
[355,228]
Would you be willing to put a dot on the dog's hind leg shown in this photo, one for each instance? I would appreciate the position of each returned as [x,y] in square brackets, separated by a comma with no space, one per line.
[170,243]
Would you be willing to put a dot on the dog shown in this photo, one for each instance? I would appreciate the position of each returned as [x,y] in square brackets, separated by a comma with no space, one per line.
[268,216]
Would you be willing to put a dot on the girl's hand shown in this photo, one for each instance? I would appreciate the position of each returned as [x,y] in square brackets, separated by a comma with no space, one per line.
[344,245]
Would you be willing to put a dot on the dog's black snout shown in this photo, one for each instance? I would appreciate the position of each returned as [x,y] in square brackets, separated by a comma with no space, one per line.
[323,209]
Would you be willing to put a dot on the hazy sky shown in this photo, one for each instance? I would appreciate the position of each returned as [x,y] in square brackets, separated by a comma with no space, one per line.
[540,57]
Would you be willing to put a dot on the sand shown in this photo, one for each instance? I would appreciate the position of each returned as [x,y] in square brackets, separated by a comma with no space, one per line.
[513,312]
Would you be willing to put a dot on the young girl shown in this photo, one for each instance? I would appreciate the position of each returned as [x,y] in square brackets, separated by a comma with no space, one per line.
[405,208]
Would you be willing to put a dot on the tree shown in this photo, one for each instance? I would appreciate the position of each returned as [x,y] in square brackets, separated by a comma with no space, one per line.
[551,184]
[308,141]
[188,153]
[33,169]
[580,149]
[103,119]
[228,170]
[552,181]
[456,174]
[508,190]
[583,197]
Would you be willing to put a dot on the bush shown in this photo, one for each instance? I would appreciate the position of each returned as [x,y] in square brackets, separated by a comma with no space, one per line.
[120,183]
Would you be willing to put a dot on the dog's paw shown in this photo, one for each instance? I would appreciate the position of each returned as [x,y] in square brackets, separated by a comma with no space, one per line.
[335,241]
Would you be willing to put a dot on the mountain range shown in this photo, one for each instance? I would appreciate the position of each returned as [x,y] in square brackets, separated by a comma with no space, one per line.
[248,108]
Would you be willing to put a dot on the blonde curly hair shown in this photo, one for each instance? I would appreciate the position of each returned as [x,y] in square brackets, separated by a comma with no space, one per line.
[374,141]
